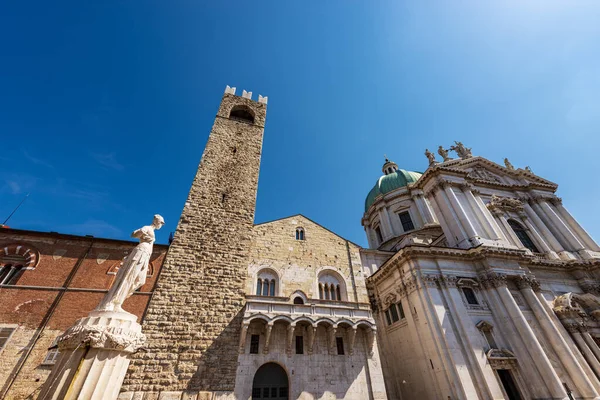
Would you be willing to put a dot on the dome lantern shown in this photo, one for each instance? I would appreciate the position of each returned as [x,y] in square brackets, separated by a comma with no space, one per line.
[389,167]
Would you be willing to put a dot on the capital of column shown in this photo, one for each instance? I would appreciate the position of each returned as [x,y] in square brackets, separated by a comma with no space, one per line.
[590,287]
[493,280]
[449,281]
[527,282]
[576,327]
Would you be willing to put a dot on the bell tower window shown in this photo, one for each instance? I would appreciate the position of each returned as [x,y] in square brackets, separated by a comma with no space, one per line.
[242,114]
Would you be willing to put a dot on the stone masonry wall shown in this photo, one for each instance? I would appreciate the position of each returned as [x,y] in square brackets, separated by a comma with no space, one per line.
[299,262]
[194,318]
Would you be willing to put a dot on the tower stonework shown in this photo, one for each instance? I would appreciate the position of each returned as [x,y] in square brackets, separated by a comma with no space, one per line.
[193,321]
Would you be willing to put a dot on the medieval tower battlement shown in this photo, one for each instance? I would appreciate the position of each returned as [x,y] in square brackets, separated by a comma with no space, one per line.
[194,319]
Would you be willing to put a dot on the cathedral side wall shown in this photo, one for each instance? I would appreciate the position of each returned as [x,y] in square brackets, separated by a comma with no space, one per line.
[299,262]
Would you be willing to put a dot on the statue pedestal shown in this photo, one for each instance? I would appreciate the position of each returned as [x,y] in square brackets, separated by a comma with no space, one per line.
[94,356]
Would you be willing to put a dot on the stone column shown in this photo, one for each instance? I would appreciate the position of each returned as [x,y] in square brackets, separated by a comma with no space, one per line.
[243,334]
[534,347]
[424,208]
[574,225]
[577,331]
[290,339]
[484,220]
[331,339]
[527,285]
[539,239]
[591,344]
[94,356]
[351,335]
[267,337]
[385,224]
[490,217]
[462,216]
[562,226]
[312,333]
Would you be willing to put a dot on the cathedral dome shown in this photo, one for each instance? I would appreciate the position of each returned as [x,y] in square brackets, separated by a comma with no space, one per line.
[390,181]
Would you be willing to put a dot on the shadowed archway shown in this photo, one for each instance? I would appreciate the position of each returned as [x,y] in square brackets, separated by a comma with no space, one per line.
[270,382]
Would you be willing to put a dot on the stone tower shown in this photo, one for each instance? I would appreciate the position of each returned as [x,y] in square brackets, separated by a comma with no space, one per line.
[193,320]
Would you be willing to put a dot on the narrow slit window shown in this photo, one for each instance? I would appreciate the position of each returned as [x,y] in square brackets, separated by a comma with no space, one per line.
[254,340]
[339,342]
[299,345]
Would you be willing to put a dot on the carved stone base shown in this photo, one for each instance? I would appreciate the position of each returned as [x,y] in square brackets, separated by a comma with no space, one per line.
[94,356]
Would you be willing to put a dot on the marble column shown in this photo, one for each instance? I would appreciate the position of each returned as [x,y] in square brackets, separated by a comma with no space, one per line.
[562,226]
[551,379]
[527,285]
[482,216]
[577,331]
[385,224]
[539,239]
[424,209]
[472,234]
[574,225]
[94,356]
[491,219]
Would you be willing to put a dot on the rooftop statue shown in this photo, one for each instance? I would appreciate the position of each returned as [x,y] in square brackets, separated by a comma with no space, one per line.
[132,274]
[508,164]
[444,153]
[461,150]
[528,169]
[430,157]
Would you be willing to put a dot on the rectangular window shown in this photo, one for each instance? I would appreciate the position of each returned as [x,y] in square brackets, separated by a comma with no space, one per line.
[388,317]
[283,392]
[299,345]
[407,224]
[401,310]
[394,312]
[254,340]
[52,355]
[339,342]
[266,392]
[4,336]
[378,234]
[256,393]
[470,296]
[274,392]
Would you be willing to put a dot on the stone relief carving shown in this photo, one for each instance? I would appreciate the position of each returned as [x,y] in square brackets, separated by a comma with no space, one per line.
[483,174]
[505,204]
[132,275]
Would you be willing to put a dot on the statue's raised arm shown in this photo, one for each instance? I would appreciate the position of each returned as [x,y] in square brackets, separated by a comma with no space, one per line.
[133,272]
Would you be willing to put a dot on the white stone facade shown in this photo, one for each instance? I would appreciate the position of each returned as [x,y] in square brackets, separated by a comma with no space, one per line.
[492,294]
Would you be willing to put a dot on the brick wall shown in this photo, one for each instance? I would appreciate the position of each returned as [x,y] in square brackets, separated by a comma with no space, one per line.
[31,306]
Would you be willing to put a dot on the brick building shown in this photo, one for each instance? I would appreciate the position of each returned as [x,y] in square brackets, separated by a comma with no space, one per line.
[47,282]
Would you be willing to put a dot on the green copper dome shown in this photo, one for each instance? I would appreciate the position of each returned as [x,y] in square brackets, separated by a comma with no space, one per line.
[387,183]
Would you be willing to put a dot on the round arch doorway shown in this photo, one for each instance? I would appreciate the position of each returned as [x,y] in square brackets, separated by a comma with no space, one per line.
[270,382]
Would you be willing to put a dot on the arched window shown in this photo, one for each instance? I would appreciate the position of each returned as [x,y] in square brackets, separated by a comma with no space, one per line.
[10,274]
[522,235]
[299,233]
[298,300]
[266,283]
[331,287]
[242,114]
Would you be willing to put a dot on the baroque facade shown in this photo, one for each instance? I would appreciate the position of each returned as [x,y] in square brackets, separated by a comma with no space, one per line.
[483,285]
[477,284]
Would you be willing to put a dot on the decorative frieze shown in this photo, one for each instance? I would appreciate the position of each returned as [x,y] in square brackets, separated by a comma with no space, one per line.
[498,203]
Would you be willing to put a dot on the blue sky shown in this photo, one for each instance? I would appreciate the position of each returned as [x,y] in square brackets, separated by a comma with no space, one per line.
[105,107]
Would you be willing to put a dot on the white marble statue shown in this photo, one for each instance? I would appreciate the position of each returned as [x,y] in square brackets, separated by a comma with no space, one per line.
[133,272]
